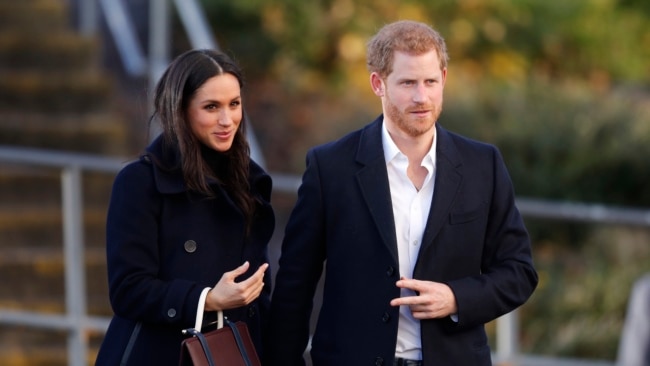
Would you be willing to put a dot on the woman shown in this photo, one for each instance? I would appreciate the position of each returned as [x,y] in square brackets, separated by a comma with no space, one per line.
[189,222]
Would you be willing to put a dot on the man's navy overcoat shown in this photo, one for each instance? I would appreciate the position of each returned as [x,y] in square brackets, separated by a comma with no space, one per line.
[474,241]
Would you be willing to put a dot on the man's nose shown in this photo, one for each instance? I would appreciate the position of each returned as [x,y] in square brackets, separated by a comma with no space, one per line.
[419,93]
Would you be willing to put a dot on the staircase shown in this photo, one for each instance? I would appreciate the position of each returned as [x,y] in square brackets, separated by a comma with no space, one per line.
[53,95]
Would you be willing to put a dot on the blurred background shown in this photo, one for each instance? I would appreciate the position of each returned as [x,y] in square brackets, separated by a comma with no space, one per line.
[561,87]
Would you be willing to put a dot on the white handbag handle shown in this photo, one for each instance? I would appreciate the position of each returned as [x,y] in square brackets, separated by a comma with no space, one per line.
[198,323]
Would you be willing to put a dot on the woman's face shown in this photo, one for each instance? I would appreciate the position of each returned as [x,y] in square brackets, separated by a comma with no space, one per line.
[215,112]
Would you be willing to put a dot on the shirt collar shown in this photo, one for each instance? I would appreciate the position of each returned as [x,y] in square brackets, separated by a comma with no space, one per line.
[391,150]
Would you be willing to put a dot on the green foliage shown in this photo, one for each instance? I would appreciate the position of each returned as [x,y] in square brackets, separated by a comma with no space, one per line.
[239,31]
[606,40]
[579,306]
[563,142]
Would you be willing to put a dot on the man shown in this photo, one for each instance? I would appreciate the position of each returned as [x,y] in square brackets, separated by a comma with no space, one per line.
[416,226]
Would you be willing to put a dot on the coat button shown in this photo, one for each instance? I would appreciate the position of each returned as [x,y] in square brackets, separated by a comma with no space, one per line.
[190,246]
[379,361]
[390,270]
[385,318]
[251,312]
[171,313]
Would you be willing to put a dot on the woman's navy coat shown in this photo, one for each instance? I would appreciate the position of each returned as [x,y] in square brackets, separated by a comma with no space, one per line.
[164,246]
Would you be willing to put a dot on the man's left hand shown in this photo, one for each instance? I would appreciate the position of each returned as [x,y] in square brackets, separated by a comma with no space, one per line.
[434,299]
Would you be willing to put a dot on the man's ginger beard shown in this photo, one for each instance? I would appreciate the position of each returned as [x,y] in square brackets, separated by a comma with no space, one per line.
[401,118]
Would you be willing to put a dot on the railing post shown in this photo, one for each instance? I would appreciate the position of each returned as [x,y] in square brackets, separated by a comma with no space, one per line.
[124,35]
[73,247]
[87,23]
[196,24]
[507,342]
[159,44]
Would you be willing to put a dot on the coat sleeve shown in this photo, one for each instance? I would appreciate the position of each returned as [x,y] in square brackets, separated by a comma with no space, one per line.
[300,268]
[132,227]
[507,277]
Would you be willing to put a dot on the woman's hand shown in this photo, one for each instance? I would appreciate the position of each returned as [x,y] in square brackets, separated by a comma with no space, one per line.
[228,294]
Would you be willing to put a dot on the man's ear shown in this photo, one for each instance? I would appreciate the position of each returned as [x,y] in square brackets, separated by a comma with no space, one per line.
[444,76]
[377,84]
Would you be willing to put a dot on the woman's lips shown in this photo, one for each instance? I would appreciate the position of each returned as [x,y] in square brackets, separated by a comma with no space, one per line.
[222,135]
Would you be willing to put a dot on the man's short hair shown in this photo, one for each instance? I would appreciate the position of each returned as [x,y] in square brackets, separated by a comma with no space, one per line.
[407,36]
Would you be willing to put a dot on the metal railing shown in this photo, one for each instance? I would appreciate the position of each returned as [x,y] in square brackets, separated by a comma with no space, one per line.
[77,322]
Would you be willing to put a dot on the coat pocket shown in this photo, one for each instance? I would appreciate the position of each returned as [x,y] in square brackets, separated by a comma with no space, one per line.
[456,218]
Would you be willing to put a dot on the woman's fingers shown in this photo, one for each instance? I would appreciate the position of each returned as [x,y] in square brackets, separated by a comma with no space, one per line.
[232,275]
[230,294]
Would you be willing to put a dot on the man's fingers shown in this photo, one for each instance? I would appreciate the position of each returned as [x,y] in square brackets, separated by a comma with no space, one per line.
[410,284]
[408,300]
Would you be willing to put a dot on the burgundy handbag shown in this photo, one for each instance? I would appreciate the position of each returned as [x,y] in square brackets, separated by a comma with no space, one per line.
[225,346]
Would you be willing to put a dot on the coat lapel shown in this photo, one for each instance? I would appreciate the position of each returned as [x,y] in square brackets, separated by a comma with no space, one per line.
[448,179]
[373,181]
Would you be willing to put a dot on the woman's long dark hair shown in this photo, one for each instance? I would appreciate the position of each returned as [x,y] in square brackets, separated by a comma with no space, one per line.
[187,73]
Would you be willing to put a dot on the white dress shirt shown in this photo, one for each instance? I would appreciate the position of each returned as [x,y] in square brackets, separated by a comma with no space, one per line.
[410,210]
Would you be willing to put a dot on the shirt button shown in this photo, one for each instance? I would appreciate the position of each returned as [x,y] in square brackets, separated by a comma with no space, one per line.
[415,242]
[171,313]
[190,246]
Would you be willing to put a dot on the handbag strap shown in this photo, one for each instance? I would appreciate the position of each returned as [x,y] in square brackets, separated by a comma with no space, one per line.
[206,348]
[204,344]
[240,343]
[198,322]
[129,346]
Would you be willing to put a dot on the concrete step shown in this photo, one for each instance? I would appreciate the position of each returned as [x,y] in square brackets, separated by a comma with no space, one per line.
[42,278]
[45,347]
[99,133]
[41,227]
[36,16]
[21,346]
[62,51]
[40,289]
[22,185]
[54,92]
